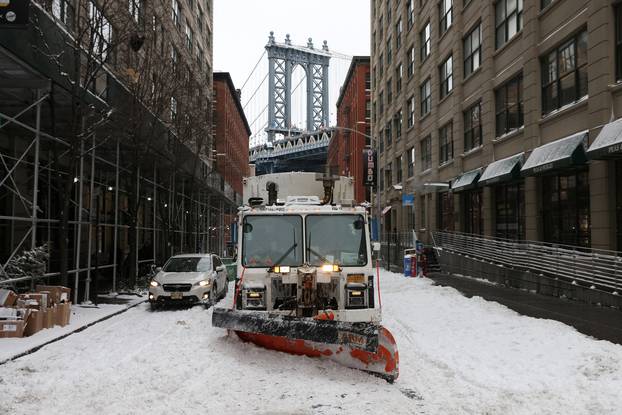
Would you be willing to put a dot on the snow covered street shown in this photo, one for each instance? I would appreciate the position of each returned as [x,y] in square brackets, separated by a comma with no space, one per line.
[457,356]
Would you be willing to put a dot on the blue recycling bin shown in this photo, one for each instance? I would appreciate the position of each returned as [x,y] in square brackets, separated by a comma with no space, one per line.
[408,265]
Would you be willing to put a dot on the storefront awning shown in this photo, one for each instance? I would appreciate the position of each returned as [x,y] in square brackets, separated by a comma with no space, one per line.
[502,170]
[566,152]
[608,143]
[466,181]
[386,209]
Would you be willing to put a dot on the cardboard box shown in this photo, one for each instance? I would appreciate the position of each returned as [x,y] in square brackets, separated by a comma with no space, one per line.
[12,328]
[63,314]
[58,293]
[34,322]
[49,297]
[7,298]
[35,301]
[49,317]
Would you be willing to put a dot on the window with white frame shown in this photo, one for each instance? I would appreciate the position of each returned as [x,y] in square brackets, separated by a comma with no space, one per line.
[189,36]
[173,109]
[472,51]
[446,77]
[176,13]
[64,11]
[398,119]
[446,143]
[398,33]
[411,161]
[445,10]
[425,41]
[508,20]
[399,72]
[426,97]
[411,61]
[410,10]
[426,153]
[411,111]
[134,8]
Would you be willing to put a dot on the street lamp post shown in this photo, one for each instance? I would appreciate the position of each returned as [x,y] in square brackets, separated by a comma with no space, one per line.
[373,143]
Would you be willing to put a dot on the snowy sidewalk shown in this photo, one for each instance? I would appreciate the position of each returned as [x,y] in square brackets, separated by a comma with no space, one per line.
[81,318]
[603,323]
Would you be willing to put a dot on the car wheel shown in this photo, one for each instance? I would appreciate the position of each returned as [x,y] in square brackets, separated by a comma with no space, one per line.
[153,306]
[225,291]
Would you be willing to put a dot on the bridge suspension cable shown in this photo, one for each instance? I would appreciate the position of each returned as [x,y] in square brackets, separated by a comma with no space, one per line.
[254,67]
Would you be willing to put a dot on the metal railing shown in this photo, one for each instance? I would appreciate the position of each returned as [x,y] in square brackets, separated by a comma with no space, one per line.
[598,269]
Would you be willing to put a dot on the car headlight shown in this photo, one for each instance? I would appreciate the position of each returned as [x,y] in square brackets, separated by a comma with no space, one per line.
[330,268]
[154,283]
[205,283]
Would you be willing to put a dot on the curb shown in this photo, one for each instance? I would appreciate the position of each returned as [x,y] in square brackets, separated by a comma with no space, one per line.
[77,330]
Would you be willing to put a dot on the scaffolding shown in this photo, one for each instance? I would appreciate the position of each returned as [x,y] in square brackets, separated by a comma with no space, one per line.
[181,211]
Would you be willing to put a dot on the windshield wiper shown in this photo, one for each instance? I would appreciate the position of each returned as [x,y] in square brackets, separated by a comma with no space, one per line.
[291,248]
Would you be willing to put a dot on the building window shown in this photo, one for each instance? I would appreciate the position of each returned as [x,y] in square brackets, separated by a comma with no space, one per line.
[446,143]
[367,81]
[446,76]
[397,122]
[426,153]
[102,32]
[410,10]
[445,211]
[189,36]
[200,57]
[134,8]
[388,134]
[399,72]
[508,20]
[398,34]
[566,208]
[380,66]
[411,111]
[389,90]
[510,211]
[381,177]
[509,106]
[175,13]
[381,140]
[388,176]
[472,51]
[564,74]
[472,206]
[381,102]
[618,18]
[445,14]
[411,61]
[64,11]
[398,169]
[173,109]
[389,52]
[425,41]
[411,162]
[367,110]
[174,57]
[473,127]
[426,97]
[373,113]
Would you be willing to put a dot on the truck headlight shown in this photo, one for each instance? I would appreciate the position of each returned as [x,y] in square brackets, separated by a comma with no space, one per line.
[330,268]
[205,283]
[254,299]
[154,283]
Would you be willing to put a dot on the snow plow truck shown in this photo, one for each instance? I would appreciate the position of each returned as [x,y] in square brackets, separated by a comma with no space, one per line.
[306,282]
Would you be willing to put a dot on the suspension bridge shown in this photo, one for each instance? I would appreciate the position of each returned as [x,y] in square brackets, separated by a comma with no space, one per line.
[288,101]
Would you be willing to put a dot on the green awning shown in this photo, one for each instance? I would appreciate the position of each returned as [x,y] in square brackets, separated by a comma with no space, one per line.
[466,180]
[566,152]
[608,143]
[502,170]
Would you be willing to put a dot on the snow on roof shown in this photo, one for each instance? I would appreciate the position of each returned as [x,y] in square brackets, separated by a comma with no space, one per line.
[609,135]
[555,151]
[499,168]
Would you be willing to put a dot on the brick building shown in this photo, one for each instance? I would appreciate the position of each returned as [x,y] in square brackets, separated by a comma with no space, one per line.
[353,115]
[232,132]
[503,118]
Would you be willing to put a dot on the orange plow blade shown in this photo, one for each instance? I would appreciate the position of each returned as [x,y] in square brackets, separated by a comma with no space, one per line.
[384,362]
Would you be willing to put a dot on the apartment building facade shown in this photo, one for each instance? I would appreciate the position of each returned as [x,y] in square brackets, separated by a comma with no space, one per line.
[502,118]
[345,152]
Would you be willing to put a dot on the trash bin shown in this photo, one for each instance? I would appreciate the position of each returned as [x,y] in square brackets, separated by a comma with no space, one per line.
[407,265]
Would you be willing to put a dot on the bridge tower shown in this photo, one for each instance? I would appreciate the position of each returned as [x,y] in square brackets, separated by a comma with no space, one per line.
[282,58]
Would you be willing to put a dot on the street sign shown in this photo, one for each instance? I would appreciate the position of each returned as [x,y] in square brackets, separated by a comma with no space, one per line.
[14,13]
[369,167]
[408,200]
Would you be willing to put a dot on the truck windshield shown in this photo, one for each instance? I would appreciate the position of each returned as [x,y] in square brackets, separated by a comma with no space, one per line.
[271,239]
[336,239]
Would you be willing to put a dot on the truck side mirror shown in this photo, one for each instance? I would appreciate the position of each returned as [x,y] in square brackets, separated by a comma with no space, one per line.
[376,246]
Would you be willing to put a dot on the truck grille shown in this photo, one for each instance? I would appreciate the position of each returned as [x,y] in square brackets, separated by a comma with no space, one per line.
[177,287]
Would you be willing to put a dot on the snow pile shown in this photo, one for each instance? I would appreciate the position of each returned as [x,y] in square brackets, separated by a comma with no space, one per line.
[457,355]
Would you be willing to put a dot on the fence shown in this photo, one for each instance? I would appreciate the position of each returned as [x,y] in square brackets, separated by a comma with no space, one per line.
[597,269]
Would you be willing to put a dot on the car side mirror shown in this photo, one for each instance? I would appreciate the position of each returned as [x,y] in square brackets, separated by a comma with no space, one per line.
[157,269]
[376,246]
[220,268]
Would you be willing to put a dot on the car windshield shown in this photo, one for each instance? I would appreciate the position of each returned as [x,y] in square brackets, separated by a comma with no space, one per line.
[271,240]
[187,264]
[336,239]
